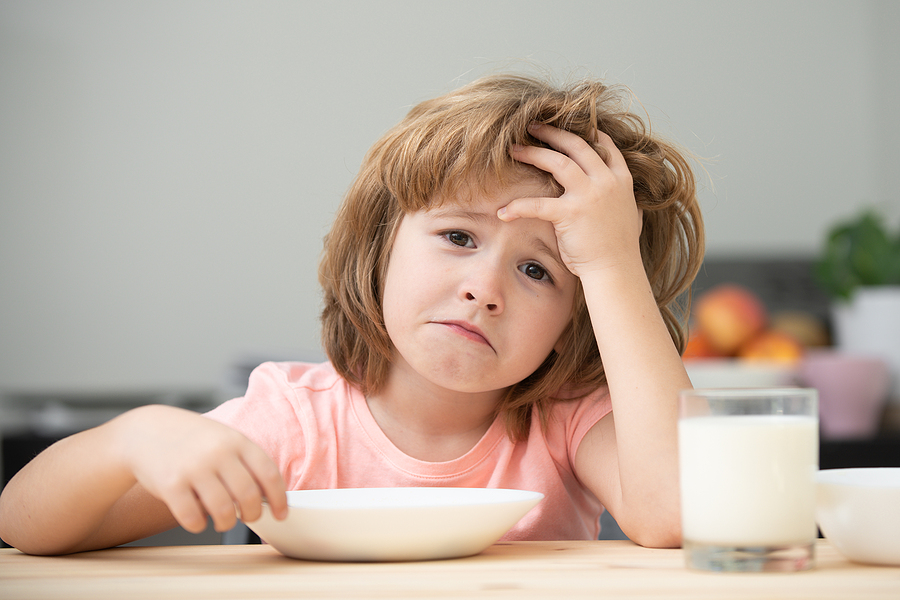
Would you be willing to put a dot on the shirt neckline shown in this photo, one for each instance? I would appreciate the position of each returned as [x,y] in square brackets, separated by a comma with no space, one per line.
[422,468]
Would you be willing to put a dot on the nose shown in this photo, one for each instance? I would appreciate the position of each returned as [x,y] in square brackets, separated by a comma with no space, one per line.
[484,287]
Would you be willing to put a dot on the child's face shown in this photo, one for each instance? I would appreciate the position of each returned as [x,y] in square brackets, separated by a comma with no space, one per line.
[473,304]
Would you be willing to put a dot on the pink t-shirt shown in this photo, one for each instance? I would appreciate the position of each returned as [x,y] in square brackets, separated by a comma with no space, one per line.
[319,431]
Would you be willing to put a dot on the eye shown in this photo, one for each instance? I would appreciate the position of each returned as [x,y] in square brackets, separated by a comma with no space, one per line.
[459,238]
[536,272]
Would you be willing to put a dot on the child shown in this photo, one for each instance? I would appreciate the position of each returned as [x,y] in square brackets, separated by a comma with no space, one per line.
[499,285]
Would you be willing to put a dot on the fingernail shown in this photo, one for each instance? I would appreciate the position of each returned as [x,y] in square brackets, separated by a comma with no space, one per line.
[534,126]
[517,147]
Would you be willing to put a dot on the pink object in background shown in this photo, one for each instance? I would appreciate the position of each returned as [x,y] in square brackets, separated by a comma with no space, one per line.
[852,388]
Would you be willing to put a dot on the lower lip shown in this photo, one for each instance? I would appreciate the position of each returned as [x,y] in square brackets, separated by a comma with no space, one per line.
[466,333]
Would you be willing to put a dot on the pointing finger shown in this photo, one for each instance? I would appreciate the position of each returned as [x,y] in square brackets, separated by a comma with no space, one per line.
[529,208]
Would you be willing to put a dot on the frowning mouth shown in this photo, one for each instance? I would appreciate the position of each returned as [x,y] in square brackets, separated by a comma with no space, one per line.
[467,330]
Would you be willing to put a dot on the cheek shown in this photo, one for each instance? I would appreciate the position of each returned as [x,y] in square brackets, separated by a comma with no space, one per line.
[554,332]
[545,324]
[556,320]
[393,299]
[406,290]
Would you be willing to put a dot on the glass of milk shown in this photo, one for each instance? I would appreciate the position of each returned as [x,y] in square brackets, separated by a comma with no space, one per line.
[748,460]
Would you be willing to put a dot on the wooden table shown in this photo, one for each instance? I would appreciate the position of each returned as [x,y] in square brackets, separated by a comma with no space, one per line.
[566,570]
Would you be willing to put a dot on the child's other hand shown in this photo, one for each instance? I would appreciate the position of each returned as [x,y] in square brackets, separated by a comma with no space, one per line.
[199,467]
[597,221]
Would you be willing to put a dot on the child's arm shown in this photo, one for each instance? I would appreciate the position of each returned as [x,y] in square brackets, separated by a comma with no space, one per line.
[141,473]
[630,461]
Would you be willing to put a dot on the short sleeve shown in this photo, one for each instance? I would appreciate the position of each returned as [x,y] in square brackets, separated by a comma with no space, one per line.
[268,415]
[569,422]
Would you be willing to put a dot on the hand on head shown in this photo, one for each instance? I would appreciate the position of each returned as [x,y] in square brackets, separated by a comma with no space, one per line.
[596,220]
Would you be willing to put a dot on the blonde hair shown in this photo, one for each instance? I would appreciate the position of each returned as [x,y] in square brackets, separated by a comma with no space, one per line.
[453,142]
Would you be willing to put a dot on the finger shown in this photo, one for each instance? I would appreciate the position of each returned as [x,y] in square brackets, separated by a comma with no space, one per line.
[566,171]
[546,209]
[268,479]
[244,491]
[614,159]
[217,501]
[570,144]
[186,508]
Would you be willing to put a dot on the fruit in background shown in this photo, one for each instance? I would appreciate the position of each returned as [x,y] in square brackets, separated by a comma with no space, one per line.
[729,316]
[772,345]
[730,321]
[807,329]
[698,346]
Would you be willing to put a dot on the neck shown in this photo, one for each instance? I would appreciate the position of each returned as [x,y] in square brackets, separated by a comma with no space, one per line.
[428,422]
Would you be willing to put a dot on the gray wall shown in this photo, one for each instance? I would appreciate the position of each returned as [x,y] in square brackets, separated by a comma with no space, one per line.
[167,169]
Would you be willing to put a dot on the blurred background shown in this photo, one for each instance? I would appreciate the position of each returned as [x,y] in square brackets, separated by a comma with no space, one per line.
[168,168]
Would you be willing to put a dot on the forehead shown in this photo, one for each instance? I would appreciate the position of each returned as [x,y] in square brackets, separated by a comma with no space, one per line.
[478,196]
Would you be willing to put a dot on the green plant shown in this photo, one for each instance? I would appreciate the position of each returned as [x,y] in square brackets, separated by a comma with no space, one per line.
[859,252]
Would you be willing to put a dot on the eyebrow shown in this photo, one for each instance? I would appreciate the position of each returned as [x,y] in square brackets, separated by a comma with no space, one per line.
[485,218]
[457,212]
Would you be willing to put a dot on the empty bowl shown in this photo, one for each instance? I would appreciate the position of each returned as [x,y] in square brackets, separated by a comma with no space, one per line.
[858,511]
[393,524]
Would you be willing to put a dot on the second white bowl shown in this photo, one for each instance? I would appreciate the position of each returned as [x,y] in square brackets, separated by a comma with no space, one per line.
[858,511]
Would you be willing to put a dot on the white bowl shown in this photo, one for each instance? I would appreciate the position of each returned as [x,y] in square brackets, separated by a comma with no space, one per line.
[393,524]
[858,510]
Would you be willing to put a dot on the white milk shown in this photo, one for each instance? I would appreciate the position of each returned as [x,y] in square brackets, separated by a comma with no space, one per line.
[748,480]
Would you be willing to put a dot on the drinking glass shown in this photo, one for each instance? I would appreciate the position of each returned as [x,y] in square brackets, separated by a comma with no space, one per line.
[748,460]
